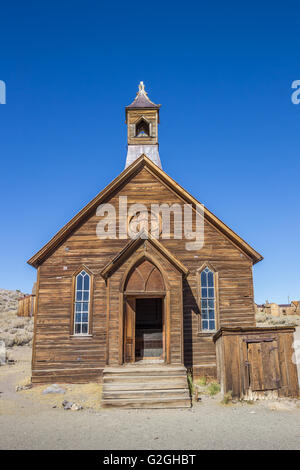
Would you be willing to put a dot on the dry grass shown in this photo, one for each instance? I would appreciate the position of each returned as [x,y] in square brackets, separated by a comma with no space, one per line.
[86,395]
[15,330]
[262,319]
[202,382]
[205,386]
[227,398]
[213,388]
[25,382]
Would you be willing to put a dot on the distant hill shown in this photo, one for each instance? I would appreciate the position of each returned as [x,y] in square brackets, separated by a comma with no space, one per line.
[263,319]
[14,330]
[9,299]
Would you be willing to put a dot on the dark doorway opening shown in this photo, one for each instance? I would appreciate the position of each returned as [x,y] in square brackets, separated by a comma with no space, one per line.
[149,329]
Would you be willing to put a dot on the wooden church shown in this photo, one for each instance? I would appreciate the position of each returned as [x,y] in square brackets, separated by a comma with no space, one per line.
[137,313]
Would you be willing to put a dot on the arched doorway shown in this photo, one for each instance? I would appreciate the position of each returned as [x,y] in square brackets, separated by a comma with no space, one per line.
[144,314]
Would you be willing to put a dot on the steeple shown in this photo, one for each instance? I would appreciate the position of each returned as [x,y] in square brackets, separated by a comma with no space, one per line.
[142,119]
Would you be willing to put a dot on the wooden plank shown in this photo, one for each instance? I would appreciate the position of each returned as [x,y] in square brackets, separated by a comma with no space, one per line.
[130,330]
[256,366]
[270,365]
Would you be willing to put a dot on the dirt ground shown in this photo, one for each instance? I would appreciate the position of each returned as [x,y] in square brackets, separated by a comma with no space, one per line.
[31,420]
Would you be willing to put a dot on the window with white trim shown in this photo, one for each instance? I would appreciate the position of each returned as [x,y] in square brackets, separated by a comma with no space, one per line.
[208,300]
[82,303]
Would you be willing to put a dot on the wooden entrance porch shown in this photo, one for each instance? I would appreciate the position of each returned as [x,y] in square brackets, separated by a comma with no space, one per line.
[144,305]
[144,362]
[145,386]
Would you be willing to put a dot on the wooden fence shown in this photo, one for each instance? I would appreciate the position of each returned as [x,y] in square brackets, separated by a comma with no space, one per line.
[26,306]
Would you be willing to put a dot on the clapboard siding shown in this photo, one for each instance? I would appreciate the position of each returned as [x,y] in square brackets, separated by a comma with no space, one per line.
[255,362]
[55,348]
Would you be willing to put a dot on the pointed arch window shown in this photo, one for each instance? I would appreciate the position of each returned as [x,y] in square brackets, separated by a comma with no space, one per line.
[207,299]
[142,129]
[82,303]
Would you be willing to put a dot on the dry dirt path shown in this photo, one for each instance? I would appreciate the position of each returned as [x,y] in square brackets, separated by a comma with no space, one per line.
[28,421]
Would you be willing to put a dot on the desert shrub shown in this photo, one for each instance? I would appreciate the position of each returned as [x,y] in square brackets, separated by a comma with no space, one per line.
[8,339]
[19,323]
[15,330]
[261,318]
[12,331]
[227,398]
[190,383]
[213,388]
[29,327]
[22,338]
[202,381]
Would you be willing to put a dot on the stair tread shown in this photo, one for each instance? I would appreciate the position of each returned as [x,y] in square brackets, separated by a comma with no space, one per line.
[145,371]
[144,377]
[144,386]
[147,406]
[150,386]
[179,392]
[145,399]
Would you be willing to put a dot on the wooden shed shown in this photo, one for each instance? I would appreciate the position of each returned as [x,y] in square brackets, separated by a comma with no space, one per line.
[256,362]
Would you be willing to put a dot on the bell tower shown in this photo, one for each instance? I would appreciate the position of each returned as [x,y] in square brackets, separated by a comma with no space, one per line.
[142,119]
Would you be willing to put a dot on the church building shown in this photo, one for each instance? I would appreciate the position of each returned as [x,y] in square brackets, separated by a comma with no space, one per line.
[138,312]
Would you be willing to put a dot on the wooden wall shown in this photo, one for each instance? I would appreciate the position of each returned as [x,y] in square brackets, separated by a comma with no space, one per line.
[58,354]
[172,300]
[133,117]
[27,306]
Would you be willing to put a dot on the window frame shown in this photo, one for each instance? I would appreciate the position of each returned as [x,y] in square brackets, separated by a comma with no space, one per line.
[143,123]
[216,298]
[134,128]
[90,311]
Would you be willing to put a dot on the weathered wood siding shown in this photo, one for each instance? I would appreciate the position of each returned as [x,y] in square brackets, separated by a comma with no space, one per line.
[258,361]
[58,354]
[27,306]
[151,116]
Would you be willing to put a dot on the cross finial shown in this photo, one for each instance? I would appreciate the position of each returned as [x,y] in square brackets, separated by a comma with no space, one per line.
[142,87]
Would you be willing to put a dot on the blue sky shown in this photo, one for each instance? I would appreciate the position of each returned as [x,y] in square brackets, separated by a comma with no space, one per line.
[229,132]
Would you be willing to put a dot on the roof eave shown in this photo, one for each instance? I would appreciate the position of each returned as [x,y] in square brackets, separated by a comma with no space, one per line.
[57,239]
[127,108]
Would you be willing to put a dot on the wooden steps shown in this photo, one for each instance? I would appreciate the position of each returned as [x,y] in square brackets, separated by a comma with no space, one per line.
[145,386]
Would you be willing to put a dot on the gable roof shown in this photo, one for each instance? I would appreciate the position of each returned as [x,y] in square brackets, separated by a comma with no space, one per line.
[132,245]
[142,162]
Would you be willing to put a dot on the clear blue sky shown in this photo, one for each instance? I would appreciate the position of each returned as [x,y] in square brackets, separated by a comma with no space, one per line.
[229,132]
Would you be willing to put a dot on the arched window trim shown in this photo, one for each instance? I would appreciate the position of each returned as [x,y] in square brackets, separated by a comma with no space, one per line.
[90,302]
[134,127]
[216,298]
[143,123]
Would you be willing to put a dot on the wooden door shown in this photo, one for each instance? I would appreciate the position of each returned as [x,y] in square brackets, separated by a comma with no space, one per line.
[264,365]
[129,330]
